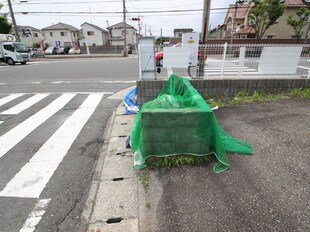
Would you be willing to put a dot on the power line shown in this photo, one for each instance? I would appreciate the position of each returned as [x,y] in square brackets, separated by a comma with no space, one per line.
[107,12]
[81,2]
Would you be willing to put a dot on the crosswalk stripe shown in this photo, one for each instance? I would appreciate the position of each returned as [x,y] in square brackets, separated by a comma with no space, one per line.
[15,135]
[30,181]
[9,98]
[25,104]
[35,216]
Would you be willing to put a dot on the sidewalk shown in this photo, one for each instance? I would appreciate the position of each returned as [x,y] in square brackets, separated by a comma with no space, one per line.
[53,57]
[113,202]
[268,191]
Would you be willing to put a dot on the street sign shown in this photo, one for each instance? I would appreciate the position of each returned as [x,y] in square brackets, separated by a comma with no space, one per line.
[57,44]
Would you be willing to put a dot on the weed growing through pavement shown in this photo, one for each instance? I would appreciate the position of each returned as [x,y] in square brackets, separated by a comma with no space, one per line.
[243,97]
[145,181]
[179,160]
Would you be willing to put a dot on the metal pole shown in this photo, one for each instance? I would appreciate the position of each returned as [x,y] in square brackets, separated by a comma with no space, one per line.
[13,20]
[306,36]
[223,61]
[204,33]
[124,28]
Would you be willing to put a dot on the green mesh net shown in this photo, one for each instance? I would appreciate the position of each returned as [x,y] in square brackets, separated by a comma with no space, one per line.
[180,122]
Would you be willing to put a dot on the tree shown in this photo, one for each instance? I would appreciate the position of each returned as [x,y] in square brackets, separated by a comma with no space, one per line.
[300,23]
[265,13]
[5,26]
[160,40]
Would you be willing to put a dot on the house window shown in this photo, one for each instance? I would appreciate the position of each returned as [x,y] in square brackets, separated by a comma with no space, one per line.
[51,34]
[243,37]
[74,34]
[34,34]
[90,33]
[64,33]
[93,44]
[270,37]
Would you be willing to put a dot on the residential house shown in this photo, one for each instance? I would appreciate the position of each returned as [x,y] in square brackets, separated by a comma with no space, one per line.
[117,34]
[94,35]
[243,29]
[179,31]
[29,35]
[63,34]
[177,35]
[217,32]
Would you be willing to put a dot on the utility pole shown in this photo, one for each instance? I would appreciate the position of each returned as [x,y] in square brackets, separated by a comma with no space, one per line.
[13,20]
[124,29]
[204,35]
[161,37]
[107,23]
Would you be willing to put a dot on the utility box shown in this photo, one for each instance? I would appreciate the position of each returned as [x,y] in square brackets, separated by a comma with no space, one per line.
[191,41]
[147,66]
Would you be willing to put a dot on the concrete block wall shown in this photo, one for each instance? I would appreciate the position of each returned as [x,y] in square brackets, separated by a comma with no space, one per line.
[149,90]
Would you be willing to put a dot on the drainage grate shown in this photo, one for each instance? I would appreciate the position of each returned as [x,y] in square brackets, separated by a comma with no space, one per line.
[114,220]
[122,136]
[124,123]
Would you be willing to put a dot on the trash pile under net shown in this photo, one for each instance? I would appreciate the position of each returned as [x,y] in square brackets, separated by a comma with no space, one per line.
[180,122]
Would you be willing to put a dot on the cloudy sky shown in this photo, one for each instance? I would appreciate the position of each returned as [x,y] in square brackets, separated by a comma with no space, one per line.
[181,13]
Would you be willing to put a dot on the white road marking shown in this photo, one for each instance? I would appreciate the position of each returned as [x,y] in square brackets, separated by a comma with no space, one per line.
[2,83]
[35,216]
[107,82]
[61,82]
[35,82]
[15,135]
[1,122]
[9,98]
[112,82]
[104,93]
[25,104]
[30,181]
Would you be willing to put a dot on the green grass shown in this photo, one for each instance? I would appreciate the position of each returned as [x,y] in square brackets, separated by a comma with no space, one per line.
[145,181]
[179,160]
[258,96]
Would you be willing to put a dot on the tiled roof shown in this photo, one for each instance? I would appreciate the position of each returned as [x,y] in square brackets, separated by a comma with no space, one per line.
[241,10]
[247,30]
[120,25]
[61,26]
[95,26]
[27,27]
[295,2]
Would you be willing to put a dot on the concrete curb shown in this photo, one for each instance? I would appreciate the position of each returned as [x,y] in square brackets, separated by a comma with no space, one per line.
[113,199]
[91,56]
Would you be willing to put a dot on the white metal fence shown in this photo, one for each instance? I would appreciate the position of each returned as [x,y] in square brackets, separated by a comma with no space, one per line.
[248,61]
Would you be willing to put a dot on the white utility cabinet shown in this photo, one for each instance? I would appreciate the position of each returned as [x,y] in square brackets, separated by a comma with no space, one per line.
[147,66]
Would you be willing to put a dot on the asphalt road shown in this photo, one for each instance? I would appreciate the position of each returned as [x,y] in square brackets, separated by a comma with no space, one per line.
[49,146]
[71,75]
[268,191]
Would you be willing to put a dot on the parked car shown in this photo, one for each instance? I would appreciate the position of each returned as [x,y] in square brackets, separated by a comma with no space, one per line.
[51,51]
[73,51]
[61,50]
[66,50]
[159,56]
[36,52]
